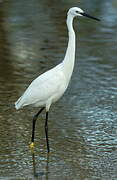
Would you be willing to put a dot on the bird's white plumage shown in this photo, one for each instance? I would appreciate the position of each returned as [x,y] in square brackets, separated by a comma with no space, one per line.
[45,89]
[50,86]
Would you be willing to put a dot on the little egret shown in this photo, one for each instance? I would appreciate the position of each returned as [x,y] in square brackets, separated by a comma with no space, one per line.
[51,85]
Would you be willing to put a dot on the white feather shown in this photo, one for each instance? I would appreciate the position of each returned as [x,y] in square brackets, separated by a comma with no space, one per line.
[50,86]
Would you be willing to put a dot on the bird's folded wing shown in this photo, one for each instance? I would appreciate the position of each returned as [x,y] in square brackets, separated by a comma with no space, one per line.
[43,87]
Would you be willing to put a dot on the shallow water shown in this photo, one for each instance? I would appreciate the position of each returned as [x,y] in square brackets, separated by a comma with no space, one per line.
[83,124]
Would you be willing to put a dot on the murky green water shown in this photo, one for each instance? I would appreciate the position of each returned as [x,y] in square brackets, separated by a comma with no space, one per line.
[83,124]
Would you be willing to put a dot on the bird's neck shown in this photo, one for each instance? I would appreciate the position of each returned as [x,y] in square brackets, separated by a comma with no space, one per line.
[68,62]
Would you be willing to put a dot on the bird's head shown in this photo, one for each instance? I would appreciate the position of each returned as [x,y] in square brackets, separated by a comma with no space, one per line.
[76,11]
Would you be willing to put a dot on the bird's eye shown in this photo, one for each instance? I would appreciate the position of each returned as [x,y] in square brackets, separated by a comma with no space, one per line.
[77,12]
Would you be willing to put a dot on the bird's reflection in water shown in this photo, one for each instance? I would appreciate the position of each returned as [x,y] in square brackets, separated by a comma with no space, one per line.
[36,171]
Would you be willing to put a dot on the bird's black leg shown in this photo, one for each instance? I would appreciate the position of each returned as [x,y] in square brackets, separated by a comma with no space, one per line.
[46,132]
[34,122]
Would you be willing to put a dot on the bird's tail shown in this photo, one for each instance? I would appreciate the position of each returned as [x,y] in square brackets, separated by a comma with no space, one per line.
[18,103]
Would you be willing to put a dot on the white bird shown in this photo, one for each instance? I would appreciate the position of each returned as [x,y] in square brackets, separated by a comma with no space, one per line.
[51,85]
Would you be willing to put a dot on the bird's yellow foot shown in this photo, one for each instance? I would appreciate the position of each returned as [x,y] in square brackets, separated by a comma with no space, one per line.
[49,153]
[31,145]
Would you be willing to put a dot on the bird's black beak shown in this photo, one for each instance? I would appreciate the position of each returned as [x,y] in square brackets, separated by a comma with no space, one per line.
[84,14]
